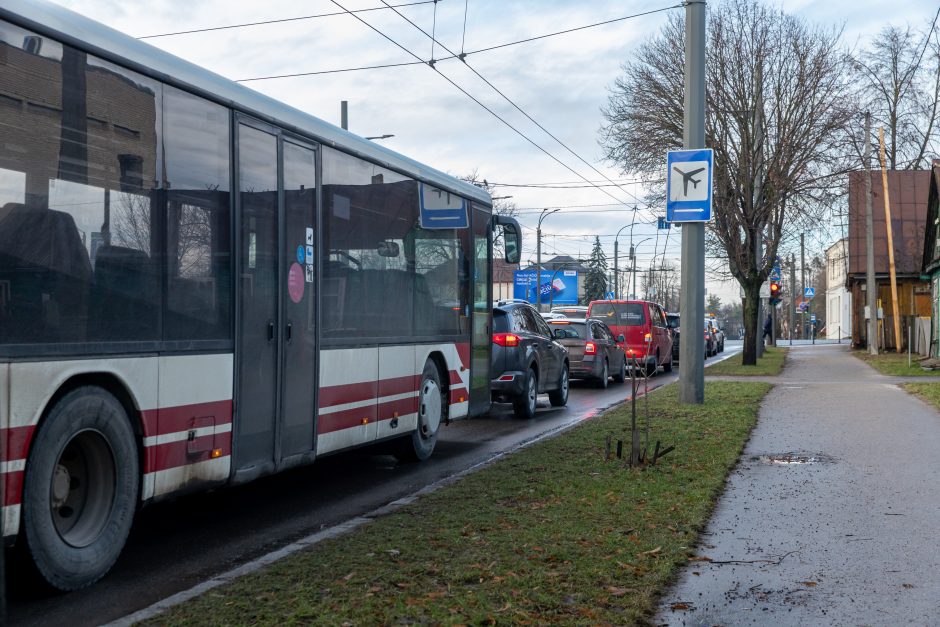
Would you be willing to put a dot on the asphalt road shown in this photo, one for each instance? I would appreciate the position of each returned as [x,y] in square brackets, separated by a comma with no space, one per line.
[174,546]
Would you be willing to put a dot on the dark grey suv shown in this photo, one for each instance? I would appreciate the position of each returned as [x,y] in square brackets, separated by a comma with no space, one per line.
[526,360]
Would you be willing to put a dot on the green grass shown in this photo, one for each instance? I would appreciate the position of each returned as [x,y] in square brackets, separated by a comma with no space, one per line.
[770,365]
[553,534]
[895,364]
[930,392]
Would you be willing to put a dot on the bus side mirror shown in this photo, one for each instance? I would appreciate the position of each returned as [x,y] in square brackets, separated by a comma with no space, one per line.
[512,238]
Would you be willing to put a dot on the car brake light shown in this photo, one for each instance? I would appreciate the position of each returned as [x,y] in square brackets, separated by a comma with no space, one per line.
[506,339]
[647,337]
[590,348]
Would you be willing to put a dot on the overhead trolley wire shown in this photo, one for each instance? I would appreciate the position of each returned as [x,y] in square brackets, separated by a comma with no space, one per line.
[462,56]
[474,99]
[279,21]
[529,117]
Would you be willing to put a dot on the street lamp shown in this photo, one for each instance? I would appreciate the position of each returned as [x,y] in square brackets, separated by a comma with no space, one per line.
[538,256]
[633,259]
[379,137]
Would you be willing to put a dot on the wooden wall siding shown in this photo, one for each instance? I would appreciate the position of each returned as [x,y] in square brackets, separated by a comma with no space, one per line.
[909,290]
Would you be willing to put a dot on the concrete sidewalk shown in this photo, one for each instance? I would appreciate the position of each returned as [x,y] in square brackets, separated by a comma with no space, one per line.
[849,538]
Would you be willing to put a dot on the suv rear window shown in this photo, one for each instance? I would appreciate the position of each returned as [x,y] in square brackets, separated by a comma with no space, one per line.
[569,330]
[619,314]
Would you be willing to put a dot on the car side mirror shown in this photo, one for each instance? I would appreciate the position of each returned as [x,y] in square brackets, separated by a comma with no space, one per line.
[621,338]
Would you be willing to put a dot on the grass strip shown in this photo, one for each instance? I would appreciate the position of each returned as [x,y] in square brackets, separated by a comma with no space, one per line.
[770,365]
[895,364]
[553,534]
[929,392]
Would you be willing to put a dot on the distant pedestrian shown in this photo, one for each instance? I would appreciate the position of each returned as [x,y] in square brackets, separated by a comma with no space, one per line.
[768,327]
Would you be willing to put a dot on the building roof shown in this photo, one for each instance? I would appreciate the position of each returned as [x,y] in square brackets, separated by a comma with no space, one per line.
[907,193]
[564,262]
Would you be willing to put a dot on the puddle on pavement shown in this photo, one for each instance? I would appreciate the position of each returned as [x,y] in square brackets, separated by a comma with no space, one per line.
[794,459]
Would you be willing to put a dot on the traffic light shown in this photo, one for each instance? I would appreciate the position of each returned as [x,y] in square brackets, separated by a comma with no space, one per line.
[775,293]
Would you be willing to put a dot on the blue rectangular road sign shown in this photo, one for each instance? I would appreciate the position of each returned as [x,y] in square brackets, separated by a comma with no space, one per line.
[689,185]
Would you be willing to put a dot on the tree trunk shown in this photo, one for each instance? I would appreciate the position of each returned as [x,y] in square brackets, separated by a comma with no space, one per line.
[752,326]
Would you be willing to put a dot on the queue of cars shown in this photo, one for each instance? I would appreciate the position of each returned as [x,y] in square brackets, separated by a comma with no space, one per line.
[535,353]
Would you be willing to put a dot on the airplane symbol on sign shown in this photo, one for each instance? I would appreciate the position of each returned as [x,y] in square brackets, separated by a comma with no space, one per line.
[687,178]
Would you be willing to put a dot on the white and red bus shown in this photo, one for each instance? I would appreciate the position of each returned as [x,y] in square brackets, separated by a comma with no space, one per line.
[200,286]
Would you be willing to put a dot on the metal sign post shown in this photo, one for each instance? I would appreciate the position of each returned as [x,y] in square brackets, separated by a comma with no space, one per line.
[692,306]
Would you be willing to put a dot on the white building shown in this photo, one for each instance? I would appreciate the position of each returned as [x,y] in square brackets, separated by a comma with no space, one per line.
[838,298]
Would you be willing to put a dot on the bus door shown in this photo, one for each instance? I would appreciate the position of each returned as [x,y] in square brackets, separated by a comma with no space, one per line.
[276,341]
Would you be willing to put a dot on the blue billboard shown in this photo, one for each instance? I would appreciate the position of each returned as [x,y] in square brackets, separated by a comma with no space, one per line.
[559,287]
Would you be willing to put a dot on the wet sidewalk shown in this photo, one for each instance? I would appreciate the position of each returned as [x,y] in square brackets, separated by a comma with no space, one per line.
[831,516]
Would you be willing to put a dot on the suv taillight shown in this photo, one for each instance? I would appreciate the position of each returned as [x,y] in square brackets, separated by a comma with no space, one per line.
[506,339]
[590,348]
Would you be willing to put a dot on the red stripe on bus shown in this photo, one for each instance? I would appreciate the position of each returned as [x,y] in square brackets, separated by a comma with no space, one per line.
[180,418]
[463,351]
[176,454]
[402,407]
[346,419]
[399,385]
[17,439]
[347,393]
[13,490]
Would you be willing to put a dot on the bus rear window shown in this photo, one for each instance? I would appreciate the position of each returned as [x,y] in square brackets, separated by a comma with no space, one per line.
[620,314]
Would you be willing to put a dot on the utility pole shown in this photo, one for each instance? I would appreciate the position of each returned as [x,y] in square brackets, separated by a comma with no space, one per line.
[692,306]
[344,115]
[792,294]
[616,273]
[891,272]
[802,285]
[870,248]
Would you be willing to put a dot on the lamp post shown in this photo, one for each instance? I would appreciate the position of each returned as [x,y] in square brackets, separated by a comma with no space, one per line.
[633,259]
[386,136]
[538,256]
[616,254]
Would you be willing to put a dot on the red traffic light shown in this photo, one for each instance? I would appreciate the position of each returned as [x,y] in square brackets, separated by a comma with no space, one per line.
[774,290]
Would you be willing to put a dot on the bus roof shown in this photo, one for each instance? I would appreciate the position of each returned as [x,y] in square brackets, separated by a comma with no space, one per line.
[81,32]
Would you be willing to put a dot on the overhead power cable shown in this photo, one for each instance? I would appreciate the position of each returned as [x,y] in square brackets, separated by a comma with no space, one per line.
[476,100]
[279,21]
[529,117]
[462,56]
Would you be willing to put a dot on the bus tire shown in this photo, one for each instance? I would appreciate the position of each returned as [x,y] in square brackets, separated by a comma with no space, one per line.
[80,489]
[432,411]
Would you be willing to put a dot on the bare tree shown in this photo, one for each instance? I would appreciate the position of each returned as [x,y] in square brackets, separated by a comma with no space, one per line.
[899,76]
[777,107]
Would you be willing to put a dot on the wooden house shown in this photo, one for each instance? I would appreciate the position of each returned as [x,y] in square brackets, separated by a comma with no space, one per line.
[907,191]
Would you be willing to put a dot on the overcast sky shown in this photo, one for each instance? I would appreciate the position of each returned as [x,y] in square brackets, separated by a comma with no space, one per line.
[560,81]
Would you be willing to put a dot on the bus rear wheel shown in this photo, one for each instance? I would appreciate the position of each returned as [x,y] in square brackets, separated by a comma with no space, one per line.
[80,489]
[432,411]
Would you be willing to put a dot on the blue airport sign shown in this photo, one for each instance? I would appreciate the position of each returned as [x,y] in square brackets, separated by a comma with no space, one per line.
[689,185]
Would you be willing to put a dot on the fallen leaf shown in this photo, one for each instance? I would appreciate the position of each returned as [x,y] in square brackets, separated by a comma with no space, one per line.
[619,592]
[679,606]
[652,551]
[809,584]
[349,576]
[907,585]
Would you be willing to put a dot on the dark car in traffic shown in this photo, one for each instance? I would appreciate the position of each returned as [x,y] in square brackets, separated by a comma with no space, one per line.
[593,352]
[672,321]
[527,360]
